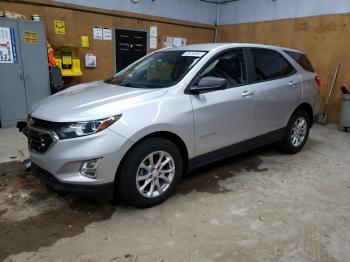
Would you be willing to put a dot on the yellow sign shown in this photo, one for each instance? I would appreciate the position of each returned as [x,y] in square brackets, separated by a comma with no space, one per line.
[85,41]
[67,60]
[30,37]
[60,28]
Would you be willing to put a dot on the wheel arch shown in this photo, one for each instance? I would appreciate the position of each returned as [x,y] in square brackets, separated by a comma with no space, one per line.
[308,109]
[181,145]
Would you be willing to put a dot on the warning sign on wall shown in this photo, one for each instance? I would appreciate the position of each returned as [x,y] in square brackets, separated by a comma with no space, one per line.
[8,54]
[60,28]
[30,37]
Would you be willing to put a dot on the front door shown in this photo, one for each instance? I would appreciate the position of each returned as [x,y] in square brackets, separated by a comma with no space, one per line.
[131,45]
[225,117]
[13,105]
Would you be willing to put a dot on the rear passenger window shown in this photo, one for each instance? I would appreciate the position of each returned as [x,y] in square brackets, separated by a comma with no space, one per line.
[270,65]
[286,68]
[302,60]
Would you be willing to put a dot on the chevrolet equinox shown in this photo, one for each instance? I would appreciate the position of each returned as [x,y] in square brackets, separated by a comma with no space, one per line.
[135,134]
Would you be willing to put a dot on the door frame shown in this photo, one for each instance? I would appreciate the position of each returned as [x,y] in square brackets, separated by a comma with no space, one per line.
[114,42]
[247,59]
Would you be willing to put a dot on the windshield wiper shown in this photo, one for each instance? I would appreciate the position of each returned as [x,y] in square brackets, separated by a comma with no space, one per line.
[128,85]
[110,81]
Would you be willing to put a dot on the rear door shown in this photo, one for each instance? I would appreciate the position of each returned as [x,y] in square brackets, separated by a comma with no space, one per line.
[311,91]
[278,89]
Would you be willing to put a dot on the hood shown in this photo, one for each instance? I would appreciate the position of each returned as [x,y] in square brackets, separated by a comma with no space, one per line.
[91,101]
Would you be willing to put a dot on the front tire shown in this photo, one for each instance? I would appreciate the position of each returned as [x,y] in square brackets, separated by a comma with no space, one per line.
[296,133]
[149,172]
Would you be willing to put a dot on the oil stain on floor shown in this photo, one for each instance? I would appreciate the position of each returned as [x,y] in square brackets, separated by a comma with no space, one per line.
[46,228]
[71,219]
[20,189]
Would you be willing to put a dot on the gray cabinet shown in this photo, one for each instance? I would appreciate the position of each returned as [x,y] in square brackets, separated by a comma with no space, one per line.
[24,75]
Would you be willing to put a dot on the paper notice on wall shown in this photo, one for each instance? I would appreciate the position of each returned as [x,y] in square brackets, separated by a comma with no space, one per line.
[107,34]
[60,28]
[8,54]
[178,41]
[169,41]
[153,43]
[98,33]
[153,31]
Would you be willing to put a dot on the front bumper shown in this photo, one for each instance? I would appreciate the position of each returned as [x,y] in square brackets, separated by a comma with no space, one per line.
[59,167]
[102,191]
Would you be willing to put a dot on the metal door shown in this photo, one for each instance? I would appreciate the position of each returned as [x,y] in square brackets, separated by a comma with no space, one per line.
[13,106]
[130,46]
[277,95]
[34,59]
[225,117]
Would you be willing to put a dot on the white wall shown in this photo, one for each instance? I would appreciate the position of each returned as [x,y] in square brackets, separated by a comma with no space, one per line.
[245,11]
[190,10]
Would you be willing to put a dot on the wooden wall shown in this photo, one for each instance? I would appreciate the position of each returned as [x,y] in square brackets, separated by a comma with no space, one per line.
[325,39]
[81,20]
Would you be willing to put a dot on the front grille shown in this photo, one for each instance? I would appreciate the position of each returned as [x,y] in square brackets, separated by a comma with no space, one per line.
[39,141]
[39,137]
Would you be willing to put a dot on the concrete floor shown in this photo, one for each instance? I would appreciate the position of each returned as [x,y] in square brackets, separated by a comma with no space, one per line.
[13,145]
[260,206]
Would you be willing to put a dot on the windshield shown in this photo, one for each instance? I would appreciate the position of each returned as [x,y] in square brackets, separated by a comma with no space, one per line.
[161,69]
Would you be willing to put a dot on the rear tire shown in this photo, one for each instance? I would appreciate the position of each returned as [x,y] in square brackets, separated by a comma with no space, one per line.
[296,133]
[149,172]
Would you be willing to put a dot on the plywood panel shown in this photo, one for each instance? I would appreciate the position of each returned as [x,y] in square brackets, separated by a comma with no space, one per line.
[326,40]
[80,22]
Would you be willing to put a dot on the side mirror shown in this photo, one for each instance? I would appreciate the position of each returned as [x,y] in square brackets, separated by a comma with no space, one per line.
[209,84]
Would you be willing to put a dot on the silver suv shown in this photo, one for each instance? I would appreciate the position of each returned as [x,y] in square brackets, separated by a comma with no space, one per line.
[135,134]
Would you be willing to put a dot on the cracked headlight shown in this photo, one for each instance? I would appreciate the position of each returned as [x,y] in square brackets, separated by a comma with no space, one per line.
[78,129]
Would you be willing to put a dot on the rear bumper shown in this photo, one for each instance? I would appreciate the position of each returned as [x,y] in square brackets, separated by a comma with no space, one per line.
[100,191]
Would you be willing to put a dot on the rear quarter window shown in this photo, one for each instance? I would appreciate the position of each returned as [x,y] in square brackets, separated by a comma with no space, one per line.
[270,65]
[302,60]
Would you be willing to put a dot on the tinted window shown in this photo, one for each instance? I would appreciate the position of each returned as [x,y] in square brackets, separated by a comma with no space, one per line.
[230,65]
[161,69]
[286,68]
[270,64]
[302,60]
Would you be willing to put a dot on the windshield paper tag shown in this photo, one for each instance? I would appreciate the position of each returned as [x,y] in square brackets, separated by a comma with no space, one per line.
[195,54]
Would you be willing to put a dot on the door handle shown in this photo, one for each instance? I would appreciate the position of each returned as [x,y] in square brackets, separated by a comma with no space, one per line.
[247,93]
[292,83]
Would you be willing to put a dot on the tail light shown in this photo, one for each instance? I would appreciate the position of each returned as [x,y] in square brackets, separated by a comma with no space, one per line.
[318,80]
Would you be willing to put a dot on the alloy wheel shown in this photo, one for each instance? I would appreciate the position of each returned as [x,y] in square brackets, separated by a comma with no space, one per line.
[299,130]
[155,174]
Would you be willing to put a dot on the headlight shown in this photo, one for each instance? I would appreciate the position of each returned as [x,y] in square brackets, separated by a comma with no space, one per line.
[71,130]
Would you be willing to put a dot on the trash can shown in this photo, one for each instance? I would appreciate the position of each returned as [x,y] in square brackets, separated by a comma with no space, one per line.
[344,123]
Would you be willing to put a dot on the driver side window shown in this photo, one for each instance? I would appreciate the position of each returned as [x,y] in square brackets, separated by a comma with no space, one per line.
[230,66]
